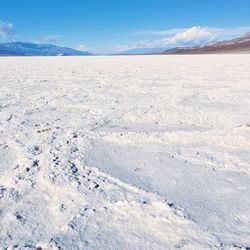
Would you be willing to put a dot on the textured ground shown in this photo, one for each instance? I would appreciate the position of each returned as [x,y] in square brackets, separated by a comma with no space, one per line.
[146,152]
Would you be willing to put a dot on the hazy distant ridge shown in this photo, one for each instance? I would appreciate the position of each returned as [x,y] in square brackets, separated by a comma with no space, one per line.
[32,49]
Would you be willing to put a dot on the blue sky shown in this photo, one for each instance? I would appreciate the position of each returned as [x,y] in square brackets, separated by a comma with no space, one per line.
[115,25]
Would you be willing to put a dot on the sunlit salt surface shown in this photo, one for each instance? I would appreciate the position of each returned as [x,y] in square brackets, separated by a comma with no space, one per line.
[133,152]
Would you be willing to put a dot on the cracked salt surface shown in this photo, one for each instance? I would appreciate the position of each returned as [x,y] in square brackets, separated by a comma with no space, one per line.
[148,152]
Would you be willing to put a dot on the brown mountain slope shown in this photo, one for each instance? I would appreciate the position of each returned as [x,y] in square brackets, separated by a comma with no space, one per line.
[239,45]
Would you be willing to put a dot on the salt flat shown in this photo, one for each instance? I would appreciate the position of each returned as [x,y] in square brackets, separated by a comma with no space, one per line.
[133,152]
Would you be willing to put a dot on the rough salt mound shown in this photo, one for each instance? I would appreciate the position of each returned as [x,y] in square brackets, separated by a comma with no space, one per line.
[144,152]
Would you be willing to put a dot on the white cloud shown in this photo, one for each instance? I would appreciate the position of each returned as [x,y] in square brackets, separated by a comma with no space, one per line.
[219,32]
[50,38]
[82,48]
[188,37]
[6,30]
[223,33]
[194,36]
[139,45]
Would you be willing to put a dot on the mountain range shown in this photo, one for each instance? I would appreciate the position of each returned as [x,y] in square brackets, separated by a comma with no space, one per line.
[33,49]
[237,45]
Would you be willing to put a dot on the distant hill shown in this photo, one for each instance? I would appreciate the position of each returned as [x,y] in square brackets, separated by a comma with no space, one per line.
[238,45]
[142,51]
[32,49]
